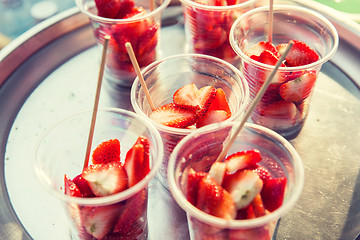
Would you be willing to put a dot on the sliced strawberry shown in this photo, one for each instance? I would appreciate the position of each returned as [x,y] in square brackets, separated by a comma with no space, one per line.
[298,89]
[243,186]
[108,8]
[173,115]
[268,57]
[71,188]
[193,180]
[300,54]
[220,102]
[106,152]
[258,48]
[242,160]
[215,200]
[273,192]
[106,179]
[83,186]
[99,221]
[258,206]
[263,173]
[214,116]
[136,12]
[126,7]
[137,163]
[280,109]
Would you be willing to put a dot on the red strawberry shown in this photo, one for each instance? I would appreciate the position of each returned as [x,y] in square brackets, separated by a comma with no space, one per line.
[83,186]
[268,57]
[71,188]
[242,160]
[106,179]
[136,12]
[298,89]
[262,46]
[280,109]
[108,8]
[220,102]
[106,152]
[263,173]
[300,54]
[137,163]
[126,7]
[215,200]
[258,206]
[173,115]
[273,192]
[193,180]
[214,116]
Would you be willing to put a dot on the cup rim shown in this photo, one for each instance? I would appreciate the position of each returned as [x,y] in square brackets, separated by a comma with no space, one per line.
[92,16]
[183,131]
[277,7]
[239,224]
[217,8]
[99,201]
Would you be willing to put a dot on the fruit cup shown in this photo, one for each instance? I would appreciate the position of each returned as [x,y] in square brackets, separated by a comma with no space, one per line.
[125,21]
[215,215]
[285,105]
[163,78]
[61,152]
[207,26]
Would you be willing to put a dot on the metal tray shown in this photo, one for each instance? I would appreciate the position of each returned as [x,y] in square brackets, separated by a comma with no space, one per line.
[51,71]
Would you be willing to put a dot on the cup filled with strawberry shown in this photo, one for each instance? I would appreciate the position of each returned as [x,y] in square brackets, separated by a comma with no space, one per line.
[107,198]
[242,196]
[285,105]
[208,23]
[189,91]
[134,21]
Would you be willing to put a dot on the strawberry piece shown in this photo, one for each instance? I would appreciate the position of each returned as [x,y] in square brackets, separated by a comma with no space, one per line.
[243,186]
[71,188]
[263,173]
[99,221]
[214,116]
[280,109]
[298,89]
[220,102]
[300,54]
[242,160]
[258,206]
[193,180]
[268,57]
[215,200]
[106,179]
[173,115]
[106,152]
[83,186]
[273,192]
[260,47]
[137,162]
[108,8]
[126,7]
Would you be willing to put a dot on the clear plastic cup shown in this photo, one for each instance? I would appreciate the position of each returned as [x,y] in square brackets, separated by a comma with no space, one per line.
[142,31]
[196,151]
[166,76]
[207,28]
[289,23]
[61,150]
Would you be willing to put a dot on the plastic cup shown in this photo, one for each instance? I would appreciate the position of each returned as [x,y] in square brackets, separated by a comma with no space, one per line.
[142,31]
[289,23]
[61,150]
[196,151]
[166,76]
[207,28]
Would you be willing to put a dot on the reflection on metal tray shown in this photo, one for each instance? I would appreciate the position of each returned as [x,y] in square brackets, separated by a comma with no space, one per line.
[51,71]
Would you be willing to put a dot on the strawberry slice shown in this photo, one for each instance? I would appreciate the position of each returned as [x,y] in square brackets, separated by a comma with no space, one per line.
[243,186]
[106,179]
[193,180]
[268,57]
[137,163]
[280,109]
[260,47]
[71,188]
[83,186]
[108,8]
[298,89]
[263,173]
[273,192]
[214,116]
[220,102]
[242,160]
[299,55]
[106,152]
[215,200]
[258,206]
[126,7]
[173,115]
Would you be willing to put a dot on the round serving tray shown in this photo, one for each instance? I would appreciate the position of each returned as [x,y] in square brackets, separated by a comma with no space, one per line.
[51,71]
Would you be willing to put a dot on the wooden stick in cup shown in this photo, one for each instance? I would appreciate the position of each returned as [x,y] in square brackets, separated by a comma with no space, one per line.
[256,100]
[271,15]
[96,104]
[138,73]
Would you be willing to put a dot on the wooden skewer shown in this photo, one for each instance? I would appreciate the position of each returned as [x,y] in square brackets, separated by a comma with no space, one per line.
[271,15]
[96,104]
[257,98]
[138,72]
[151,5]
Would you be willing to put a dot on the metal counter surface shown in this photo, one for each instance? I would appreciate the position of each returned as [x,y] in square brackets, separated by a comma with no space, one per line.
[51,71]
